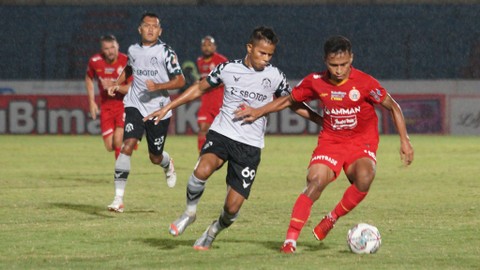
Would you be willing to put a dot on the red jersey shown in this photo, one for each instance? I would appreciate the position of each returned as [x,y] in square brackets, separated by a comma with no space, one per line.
[215,96]
[348,108]
[99,68]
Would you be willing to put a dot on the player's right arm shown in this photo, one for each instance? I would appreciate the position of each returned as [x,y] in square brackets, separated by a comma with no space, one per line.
[249,114]
[120,85]
[92,105]
[193,92]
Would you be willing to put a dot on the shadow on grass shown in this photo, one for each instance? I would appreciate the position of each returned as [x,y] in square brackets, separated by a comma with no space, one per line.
[167,243]
[84,208]
[172,243]
[276,245]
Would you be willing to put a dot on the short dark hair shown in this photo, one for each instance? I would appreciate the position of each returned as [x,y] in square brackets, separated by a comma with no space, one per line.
[149,14]
[108,38]
[337,44]
[263,33]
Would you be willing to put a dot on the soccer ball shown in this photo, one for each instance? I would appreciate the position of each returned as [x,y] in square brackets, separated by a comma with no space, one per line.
[364,238]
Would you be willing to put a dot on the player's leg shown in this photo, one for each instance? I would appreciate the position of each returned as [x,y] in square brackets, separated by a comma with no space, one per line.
[119,123]
[361,174]
[117,140]
[156,139]
[233,203]
[202,134]
[318,177]
[134,129]
[107,127]
[359,168]
[210,160]
[242,167]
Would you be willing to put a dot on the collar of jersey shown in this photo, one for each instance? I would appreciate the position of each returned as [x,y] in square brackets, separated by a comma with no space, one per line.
[158,42]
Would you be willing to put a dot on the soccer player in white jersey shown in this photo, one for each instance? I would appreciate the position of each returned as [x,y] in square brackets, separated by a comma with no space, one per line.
[155,69]
[251,81]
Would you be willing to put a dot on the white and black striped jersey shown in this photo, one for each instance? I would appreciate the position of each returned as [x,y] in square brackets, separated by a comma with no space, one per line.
[244,85]
[157,63]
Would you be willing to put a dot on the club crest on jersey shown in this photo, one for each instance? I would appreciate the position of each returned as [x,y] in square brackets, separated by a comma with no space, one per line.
[236,78]
[154,61]
[354,94]
[266,83]
[337,95]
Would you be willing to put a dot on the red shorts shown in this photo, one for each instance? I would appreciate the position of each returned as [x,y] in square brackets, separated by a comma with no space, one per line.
[210,106]
[338,154]
[111,117]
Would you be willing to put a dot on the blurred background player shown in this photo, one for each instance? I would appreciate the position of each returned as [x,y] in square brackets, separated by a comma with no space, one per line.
[212,100]
[252,80]
[348,138]
[106,67]
[155,69]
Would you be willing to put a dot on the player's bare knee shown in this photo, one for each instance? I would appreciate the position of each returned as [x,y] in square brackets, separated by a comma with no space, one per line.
[155,159]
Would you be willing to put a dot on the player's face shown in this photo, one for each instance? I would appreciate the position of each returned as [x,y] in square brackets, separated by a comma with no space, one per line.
[339,65]
[150,30]
[110,50]
[208,48]
[259,54]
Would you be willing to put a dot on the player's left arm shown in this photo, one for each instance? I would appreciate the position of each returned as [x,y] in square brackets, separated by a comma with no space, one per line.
[305,111]
[406,149]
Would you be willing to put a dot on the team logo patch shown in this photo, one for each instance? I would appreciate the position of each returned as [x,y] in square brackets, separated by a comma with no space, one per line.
[354,94]
[266,83]
[129,127]
[376,94]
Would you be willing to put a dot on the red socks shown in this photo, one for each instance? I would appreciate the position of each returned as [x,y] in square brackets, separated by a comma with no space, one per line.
[351,198]
[300,214]
[117,152]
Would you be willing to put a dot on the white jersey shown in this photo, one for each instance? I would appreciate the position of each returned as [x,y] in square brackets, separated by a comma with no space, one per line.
[244,85]
[157,63]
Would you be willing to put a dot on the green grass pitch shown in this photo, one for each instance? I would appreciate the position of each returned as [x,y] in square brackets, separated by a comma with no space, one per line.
[54,191]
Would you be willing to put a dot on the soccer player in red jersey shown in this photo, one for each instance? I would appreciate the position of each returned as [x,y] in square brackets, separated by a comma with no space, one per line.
[106,66]
[212,100]
[348,139]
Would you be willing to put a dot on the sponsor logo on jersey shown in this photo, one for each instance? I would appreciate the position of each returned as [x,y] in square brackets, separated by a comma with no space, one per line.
[342,111]
[317,76]
[247,95]
[354,94]
[141,72]
[236,78]
[109,70]
[344,122]
[337,95]
[326,158]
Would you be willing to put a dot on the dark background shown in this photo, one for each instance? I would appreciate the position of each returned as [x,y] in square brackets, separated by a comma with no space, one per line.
[390,41]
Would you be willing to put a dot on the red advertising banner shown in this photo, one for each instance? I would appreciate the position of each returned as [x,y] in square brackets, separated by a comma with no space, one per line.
[68,114]
[424,113]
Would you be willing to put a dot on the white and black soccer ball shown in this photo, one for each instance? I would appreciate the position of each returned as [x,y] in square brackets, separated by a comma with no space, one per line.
[364,238]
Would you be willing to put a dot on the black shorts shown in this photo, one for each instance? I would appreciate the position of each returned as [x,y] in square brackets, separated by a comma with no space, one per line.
[243,160]
[135,127]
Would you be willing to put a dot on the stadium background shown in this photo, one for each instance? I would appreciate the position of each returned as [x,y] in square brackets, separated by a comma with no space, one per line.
[427,53]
